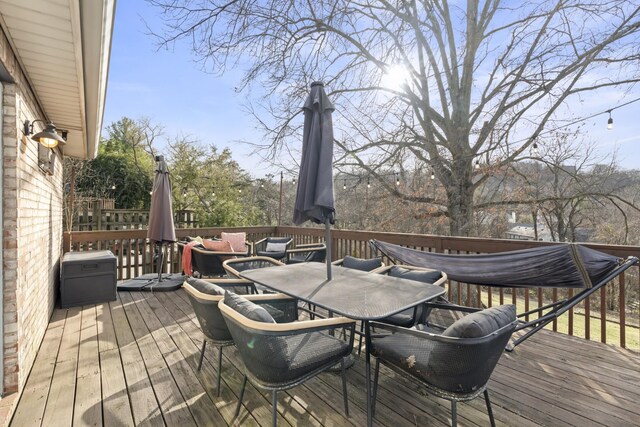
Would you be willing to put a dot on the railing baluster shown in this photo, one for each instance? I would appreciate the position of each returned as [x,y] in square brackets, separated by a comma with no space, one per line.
[539,299]
[571,311]
[555,299]
[603,313]
[587,318]
[623,314]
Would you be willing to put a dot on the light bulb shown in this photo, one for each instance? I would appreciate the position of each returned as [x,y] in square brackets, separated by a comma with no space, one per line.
[477,164]
[48,142]
[610,121]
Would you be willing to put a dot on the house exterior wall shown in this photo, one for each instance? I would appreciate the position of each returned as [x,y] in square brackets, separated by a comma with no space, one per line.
[32,229]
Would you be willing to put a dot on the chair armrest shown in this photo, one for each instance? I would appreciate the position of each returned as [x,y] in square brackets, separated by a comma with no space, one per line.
[205,251]
[300,249]
[440,338]
[223,283]
[310,246]
[286,328]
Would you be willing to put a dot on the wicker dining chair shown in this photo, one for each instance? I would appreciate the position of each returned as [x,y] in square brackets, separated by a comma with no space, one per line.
[234,267]
[281,356]
[456,364]
[205,295]
[273,247]
[418,314]
[310,252]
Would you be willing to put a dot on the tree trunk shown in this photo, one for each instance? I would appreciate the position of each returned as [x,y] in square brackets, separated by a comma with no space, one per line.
[460,200]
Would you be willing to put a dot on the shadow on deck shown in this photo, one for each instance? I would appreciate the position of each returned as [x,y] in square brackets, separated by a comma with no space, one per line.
[133,362]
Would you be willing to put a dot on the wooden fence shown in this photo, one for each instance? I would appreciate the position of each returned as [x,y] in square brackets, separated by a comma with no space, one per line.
[591,320]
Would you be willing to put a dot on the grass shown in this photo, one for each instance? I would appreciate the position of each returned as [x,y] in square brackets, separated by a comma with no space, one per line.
[579,320]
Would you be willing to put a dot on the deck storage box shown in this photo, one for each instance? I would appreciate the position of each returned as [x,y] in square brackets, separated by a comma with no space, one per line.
[87,278]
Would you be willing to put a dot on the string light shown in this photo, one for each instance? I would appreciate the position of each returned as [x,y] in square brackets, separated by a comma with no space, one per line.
[344,184]
[433,174]
[397,180]
[368,183]
[534,149]
[477,164]
[294,181]
[113,187]
[610,121]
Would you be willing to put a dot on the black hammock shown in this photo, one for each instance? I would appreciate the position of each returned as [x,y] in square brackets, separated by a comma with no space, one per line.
[554,266]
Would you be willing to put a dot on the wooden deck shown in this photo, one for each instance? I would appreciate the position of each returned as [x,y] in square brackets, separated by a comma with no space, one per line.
[133,362]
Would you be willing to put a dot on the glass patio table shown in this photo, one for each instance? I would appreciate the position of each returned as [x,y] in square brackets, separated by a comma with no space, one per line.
[351,293]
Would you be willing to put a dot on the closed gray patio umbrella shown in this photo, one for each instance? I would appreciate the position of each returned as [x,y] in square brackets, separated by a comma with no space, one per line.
[161,230]
[314,197]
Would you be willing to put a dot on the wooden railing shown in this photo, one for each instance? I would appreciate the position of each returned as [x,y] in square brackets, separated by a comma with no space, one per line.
[594,319]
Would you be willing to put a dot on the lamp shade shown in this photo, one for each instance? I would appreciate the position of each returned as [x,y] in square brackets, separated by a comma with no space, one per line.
[48,137]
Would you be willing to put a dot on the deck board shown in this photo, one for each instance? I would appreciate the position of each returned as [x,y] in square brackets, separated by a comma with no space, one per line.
[134,362]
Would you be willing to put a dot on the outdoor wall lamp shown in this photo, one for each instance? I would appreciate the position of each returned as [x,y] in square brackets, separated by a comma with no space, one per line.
[47,137]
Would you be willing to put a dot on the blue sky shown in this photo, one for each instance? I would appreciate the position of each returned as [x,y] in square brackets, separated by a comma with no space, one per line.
[170,88]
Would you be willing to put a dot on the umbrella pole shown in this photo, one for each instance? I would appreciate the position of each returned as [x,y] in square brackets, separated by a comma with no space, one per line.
[160,262]
[327,240]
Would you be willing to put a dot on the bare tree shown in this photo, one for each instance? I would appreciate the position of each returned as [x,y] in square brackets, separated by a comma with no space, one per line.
[443,83]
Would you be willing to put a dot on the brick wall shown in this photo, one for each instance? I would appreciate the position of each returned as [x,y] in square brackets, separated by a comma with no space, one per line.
[32,234]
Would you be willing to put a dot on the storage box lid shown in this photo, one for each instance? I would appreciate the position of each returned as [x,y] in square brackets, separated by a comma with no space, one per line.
[87,255]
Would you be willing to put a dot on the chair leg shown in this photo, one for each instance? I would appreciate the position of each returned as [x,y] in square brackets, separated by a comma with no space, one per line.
[274,415]
[344,387]
[489,410]
[360,339]
[244,385]
[375,386]
[219,371]
[454,414]
[204,345]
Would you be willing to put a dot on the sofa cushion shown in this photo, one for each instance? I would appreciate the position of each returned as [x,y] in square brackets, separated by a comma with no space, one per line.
[361,264]
[217,245]
[425,276]
[482,323]
[205,287]
[247,308]
[238,241]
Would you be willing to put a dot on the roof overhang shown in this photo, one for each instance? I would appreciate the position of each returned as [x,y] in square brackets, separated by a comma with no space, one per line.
[63,47]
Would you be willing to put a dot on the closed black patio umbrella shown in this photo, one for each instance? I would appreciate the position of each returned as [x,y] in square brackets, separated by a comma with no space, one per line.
[161,230]
[314,197]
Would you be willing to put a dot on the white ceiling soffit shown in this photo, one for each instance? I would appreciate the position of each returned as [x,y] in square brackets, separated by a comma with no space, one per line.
[63,47]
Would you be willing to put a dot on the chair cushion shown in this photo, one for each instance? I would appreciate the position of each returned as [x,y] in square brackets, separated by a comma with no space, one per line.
[238,241]
[217,245]
[193,239]
[247,308]
[482,323]
[425,276]
[278,239]
[276,247]
[205,287]
[404,318]
[361,264]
